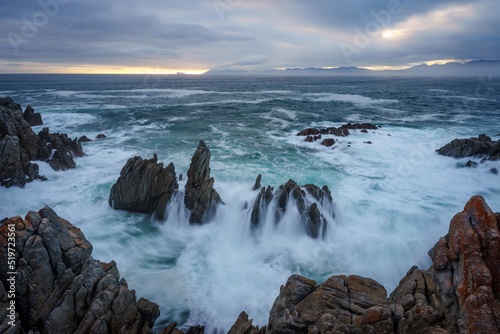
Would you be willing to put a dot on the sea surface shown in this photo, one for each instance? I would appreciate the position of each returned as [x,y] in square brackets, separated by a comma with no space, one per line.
[393,198]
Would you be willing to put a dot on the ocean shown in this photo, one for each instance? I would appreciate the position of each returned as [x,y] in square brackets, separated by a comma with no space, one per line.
[393,198]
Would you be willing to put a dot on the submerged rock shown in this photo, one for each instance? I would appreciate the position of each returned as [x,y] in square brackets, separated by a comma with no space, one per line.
[101,136]
[84,139]
[200,196]
[60,288]
[328,142]
[144,186]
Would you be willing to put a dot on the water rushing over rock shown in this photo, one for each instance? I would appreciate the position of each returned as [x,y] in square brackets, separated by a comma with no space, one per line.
[144,186]
[200,196]
[19,145]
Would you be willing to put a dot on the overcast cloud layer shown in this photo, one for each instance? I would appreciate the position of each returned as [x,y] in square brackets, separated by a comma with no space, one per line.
[57,35]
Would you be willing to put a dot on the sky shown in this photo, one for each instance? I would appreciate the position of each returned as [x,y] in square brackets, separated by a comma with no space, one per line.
[169,36]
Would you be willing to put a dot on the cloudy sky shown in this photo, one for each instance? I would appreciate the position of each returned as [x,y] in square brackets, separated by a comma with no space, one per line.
[165,36]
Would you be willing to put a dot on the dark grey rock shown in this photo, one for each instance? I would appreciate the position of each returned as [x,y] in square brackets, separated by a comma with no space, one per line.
[144,186]
[200,196]
[471,163]
[32,117]
[460,148]
[257,182]
[60,288]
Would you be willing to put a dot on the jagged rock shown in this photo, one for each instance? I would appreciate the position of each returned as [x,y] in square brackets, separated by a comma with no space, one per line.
[314,221]
[63,149]
[467,270]
[328,142]
[341,131]
[301,304]
[200,196]
[263,199]
[460,148]
[60,288]
[57,149]
[257,182]
[244,326]
[144,186]
[32,117]
[459,293]
[84,139]
[309,139]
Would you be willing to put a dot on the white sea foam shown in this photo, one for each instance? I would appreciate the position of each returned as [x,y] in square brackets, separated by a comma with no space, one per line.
[350,98]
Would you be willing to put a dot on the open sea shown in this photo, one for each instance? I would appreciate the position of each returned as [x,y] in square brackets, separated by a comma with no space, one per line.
[393,198]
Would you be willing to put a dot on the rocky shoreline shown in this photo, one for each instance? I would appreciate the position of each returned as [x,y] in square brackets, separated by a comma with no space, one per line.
[60,288]
[56,286]
[19,146]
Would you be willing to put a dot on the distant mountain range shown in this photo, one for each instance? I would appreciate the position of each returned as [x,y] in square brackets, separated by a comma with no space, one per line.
[472,68]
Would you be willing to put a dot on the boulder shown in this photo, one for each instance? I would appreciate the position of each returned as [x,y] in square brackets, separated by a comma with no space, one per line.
[60,288]
[328,142]
[84,139]
[101,136]
[144,186]
[32,117]
[309,132]
[460,148]
[200,196]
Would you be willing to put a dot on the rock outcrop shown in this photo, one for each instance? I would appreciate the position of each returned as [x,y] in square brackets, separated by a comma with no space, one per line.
[144,186]
[63,149]
[59,287]
[482,145]
[315,222]
[200,196]
[32,117]
[19,145]
[341,131]
[458,294]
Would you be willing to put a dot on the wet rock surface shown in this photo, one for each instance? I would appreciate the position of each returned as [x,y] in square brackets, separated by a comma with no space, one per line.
[341,131]
[19,145]
[459,293]
[60,288]
[144,186]
[200,196]
[315,223]
[482,145]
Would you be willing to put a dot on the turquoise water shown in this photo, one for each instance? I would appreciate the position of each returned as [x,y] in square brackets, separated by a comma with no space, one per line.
[393,199]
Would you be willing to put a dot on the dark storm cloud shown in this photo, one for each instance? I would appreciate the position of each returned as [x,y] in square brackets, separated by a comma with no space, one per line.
[258,33]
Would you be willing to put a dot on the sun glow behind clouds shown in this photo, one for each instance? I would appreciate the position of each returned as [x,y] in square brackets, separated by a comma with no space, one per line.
[40,68]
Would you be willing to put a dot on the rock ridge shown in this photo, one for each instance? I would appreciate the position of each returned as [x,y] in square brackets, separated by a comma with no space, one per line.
[19,145]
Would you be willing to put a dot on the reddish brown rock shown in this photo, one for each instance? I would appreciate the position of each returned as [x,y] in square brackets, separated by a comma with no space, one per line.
[467,270]
[328,142]
[309,132]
